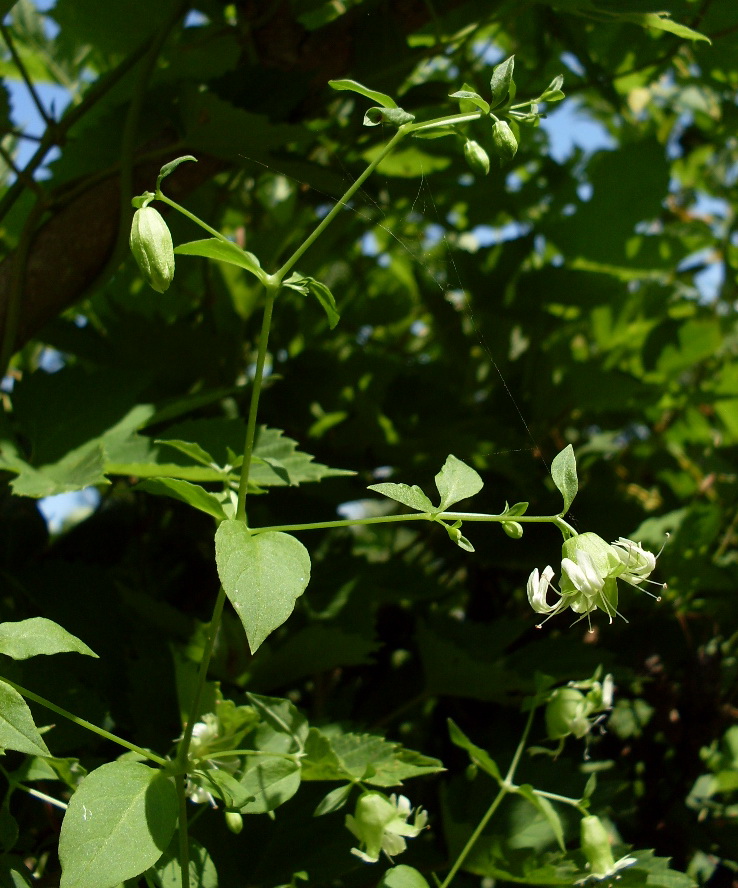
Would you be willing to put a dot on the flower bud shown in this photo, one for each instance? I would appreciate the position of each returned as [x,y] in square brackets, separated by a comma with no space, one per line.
[476,157]
[234,821]
[152,248]
[504,140]
[513,529]
[566,713]
[596,845]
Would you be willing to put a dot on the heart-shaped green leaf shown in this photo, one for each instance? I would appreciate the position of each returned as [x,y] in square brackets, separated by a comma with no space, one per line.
[262,574]
[456,481]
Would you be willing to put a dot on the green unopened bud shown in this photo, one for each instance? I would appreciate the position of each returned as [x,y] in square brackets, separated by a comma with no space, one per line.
[152,248]
[597,849]
[596,845]
[566,713]
[476,157]
[234,821]
[504,140]
[513,529]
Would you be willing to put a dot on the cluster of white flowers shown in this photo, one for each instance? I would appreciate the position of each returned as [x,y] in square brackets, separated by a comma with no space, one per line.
[381,824]
[206,735]
[590,568]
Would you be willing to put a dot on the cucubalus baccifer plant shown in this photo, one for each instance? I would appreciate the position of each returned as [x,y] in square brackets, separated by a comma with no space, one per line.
[127,821]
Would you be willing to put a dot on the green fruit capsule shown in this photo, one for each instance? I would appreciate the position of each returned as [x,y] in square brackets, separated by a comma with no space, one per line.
[152,248]
[476,157]
[504,140]
[234,821]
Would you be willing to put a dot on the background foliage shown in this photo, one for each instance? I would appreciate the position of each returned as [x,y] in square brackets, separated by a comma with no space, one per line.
[584,297]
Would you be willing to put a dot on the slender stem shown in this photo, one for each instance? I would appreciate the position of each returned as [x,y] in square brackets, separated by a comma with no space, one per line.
[185,212]
[306,244]
[184,845]
[451,120]
[184,745]
[42,797]
[248,447]
[14,784]
[464,853]
[506,787]
[130,129]
[228,753]
[521,747]
[413,516]
[85,724]
[55,134]
[18,61]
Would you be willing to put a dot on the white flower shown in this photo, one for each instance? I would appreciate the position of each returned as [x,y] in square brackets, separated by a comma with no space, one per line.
[380,824]
[589,570]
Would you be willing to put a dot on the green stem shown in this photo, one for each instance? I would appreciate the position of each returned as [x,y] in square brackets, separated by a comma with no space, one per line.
[184,845]
[438,122]
[56,133]
[464,853]
[18,61]
[521,747]
[85,724]
[295,757]
[248,448]
[507,786]
[306,244]
[183,749]
[185,212]
[414,516]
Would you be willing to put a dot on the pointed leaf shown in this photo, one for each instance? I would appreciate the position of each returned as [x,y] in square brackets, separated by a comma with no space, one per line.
[456,481]
[223,251]
[548,811]
[663,22]
[553,92]
[334,801]
[118,824]
[263,575]
[17,729]
[223,785]
[283,720]
[403,493]
[472,98]
[476,753]
[189,448]
[501,79]
[517,509]
[29,638]
[393,116]
[564,474]
[326,299]
[271,783]
[381,98]
[171,167]
[185,492]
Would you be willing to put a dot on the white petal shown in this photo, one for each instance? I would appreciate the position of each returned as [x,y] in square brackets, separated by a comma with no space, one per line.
[537,589]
